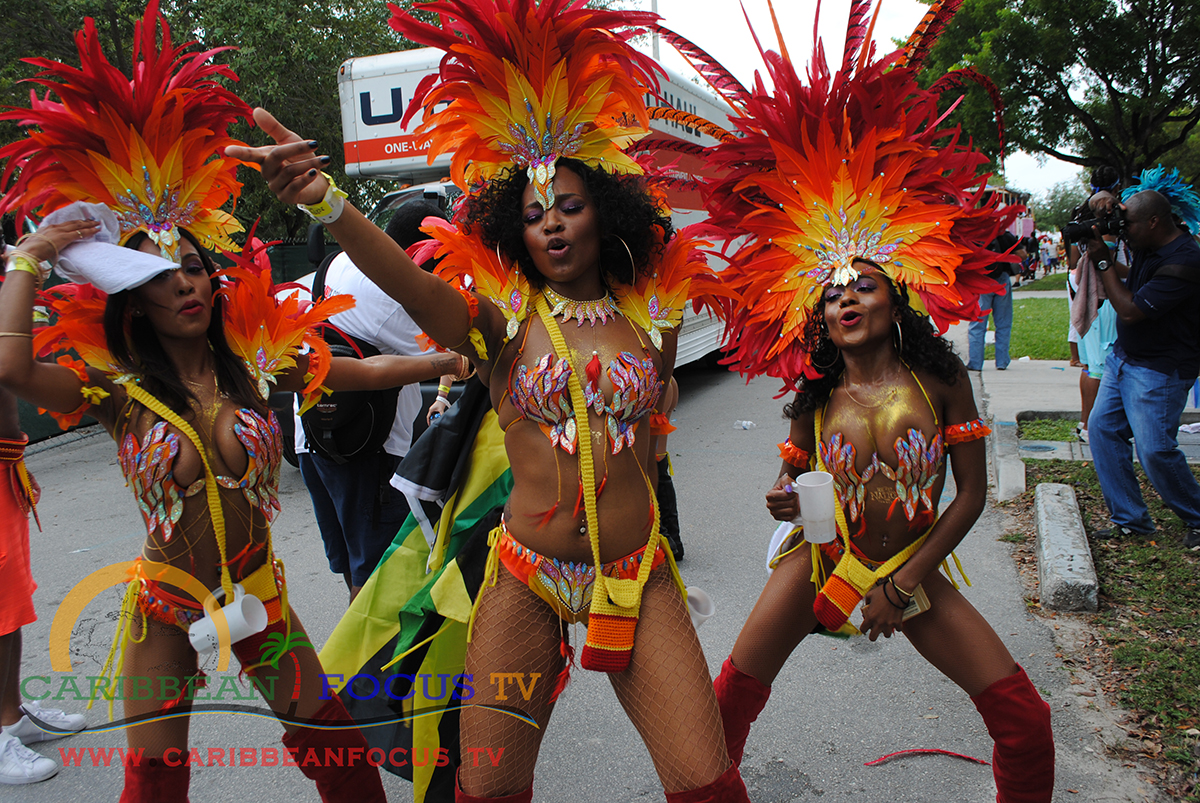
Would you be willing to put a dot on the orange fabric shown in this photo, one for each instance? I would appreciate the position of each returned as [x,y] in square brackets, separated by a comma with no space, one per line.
[16,577]
[792,454]
[525,565]
[660,424]
[966,431]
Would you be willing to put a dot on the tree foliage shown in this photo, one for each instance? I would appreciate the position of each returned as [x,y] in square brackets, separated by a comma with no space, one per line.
[287,62]
[1090,82]
[1053,210]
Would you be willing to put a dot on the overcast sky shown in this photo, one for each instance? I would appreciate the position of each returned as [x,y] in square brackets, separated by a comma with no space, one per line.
[719,27]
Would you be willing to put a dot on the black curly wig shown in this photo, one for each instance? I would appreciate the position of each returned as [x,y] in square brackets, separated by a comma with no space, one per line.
[626,209]
[923,349]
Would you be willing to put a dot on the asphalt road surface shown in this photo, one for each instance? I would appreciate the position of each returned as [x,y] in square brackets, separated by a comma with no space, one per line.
[835,706]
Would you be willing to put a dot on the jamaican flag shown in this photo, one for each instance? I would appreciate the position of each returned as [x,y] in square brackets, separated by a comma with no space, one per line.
[418,601]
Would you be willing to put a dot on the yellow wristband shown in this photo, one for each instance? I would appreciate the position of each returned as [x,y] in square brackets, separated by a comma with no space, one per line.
[443,389]
[329,208]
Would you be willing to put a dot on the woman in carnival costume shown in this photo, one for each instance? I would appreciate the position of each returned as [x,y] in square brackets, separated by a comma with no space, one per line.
[580,287]
[177,362]
[865,222]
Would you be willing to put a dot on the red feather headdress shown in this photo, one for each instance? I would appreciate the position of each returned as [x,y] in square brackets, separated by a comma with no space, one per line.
[150,148]
[849,165]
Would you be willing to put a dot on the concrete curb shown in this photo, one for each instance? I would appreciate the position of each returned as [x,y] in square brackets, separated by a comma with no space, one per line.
[1010,469]
[1066,573]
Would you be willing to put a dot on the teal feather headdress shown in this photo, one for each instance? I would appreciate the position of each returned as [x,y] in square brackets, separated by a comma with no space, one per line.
[1184,201]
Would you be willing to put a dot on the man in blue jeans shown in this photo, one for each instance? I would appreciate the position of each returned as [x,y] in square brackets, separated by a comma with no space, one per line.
[1153,365]
[999,304]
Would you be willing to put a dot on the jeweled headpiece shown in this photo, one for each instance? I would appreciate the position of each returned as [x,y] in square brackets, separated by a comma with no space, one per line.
[150,148]
[1184,201]
[530,83]
[850,165]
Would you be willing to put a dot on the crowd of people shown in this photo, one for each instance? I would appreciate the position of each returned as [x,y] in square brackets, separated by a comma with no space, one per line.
[554,292]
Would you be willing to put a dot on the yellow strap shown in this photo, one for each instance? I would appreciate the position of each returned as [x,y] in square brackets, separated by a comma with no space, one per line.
[210,480]
[115,661]
[629,594]
[927,399]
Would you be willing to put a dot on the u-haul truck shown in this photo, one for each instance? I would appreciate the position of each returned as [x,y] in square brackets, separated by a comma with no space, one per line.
[376,90]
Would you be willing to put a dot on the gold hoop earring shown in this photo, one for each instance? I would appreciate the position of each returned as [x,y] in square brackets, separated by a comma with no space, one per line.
[836,356]
[499,258]
[632,264]
[900,334]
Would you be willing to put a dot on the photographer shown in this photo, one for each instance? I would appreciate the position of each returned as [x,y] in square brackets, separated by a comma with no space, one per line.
[998,304]
[1155,361]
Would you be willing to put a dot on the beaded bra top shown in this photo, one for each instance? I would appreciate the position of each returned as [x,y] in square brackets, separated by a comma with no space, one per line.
[540,394]
[149,468]
[918,466]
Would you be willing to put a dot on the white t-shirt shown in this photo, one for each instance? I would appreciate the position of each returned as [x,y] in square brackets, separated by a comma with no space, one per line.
[378,319]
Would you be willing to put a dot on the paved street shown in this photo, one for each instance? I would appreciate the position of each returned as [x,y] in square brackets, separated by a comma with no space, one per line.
[835,706]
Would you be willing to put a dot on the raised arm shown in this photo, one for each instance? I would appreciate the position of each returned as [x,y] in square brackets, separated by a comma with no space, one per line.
[292,169]
[47,385]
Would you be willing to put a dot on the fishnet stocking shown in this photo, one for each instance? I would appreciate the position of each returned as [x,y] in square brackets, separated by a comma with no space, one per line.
[781,618]
[165,656]
[668,693]
[515,631]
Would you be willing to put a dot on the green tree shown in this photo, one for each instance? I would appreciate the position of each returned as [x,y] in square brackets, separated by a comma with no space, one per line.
[1052,210]
[1090,82]
[287,62]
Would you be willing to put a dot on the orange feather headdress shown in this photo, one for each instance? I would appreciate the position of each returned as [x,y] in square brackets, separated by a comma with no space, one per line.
[527,84]
[150,148]
[850,165]
[530,83]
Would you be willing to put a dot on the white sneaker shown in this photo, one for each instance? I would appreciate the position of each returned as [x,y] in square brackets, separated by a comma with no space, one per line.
[1083,436]
[57,721]
[20,765]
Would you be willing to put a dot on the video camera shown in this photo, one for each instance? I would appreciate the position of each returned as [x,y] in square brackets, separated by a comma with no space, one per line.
[1078,231]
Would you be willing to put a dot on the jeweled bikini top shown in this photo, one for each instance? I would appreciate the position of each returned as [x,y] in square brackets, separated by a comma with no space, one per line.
[149,467]
[540,394]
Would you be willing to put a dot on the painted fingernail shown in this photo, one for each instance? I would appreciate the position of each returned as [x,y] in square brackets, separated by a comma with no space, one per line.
[787,488]
[324,160]
[312,143]
[312,172]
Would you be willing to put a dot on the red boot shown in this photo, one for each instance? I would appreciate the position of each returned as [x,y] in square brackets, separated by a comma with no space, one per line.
[525,796]
[1018,720]
[151,780]
[741,699]
[729,788]
[358,781]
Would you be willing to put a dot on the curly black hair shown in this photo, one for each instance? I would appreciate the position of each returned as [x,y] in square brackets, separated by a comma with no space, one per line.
[923,349]
[627,211]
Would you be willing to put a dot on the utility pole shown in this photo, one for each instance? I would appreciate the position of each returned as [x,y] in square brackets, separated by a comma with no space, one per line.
[654,40]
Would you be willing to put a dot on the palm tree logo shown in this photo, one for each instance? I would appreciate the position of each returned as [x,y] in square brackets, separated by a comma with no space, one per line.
[276,645]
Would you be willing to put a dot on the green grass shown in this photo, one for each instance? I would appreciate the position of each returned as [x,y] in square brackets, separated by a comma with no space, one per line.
[1047,429]
[1055,281]
[1149,598]
[1039,330]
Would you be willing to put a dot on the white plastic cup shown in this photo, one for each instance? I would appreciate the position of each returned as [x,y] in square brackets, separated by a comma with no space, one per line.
[245,615]
[700,606]
[815,489]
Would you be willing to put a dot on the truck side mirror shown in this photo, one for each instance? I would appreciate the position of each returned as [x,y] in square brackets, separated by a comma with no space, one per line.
[316,244]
